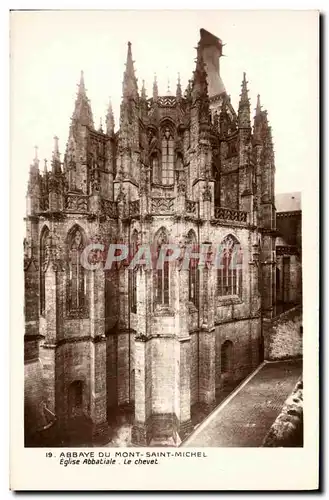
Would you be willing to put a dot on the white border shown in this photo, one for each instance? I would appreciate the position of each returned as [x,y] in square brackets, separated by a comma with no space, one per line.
[311,228]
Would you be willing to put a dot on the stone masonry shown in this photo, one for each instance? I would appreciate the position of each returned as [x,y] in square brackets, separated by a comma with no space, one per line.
[184,169]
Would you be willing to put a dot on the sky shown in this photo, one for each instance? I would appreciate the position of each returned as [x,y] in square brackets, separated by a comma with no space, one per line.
[276,49]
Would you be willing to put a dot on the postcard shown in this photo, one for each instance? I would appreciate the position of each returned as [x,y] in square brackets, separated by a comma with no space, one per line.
[164,200]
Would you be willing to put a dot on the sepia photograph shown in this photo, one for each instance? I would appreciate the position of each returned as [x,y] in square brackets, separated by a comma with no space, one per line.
[159,161]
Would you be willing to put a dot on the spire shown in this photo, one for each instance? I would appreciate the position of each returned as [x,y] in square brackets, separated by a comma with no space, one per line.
[244,105]
[258,106]
[82,111]
[56,158]
[110,119]
[82,88]
[36,159]
[155,88]
[45,170]
[178,88]
[129,87]
[143,93]
[244,90]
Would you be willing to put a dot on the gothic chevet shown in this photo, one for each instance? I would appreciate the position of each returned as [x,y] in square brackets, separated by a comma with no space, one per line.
[181,169]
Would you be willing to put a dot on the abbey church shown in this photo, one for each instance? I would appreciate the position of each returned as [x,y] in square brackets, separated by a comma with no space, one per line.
[158,345]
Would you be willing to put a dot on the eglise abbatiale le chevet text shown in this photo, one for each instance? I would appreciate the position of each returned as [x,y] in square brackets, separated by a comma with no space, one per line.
[184,168]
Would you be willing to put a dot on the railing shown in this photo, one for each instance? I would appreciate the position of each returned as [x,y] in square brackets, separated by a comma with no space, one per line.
[191,207]
[76,202]
[162,205]
[134,207]
[286,250]
[110,208]
[230,214]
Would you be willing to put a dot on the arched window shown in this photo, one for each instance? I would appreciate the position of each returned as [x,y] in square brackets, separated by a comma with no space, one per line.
[167,149]
[133,275]
[161,285]
[76,275]
[226,356]
[44,260]
[229,278]
[193,280]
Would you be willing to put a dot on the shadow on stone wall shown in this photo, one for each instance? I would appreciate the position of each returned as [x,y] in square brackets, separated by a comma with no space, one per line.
[287,430]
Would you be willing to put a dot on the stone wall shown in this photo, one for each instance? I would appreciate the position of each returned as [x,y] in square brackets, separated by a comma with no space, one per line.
[287,429]
[245,339]
[283,337]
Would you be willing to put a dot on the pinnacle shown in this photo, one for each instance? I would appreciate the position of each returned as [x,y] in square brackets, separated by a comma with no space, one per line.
[82,88]
[129,78]
[244,90]
[155,87]
[56,159]
[258,106]
[110,119]
[100,129]
[178,88]
[143,93]
[36,159]
[56,144]
[82,110]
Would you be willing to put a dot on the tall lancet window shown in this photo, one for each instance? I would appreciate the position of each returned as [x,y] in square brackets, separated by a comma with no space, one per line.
[76,274]
[193,280]
[161,276]
[44,260]
[156,173]
[133,274]
[167,148]
[230,260]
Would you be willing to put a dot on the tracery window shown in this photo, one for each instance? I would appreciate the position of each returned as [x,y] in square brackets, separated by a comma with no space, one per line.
[44,259]
[161,285]
[229,277]
[167,149]
[133,275]
[76,274]
[193,280]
